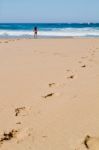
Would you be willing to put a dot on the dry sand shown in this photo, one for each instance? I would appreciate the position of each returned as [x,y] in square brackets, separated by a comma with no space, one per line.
[49,94]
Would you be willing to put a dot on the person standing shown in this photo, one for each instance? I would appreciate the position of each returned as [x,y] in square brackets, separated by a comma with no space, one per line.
[35,32]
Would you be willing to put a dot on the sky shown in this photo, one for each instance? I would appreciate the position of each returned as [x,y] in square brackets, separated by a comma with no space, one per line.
[49,11]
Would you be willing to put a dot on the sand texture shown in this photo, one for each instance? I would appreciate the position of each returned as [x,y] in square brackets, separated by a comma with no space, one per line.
[49,94]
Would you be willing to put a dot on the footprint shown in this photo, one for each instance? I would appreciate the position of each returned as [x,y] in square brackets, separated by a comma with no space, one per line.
[51,84]
[71,77]
[23,134]
[86,141]
[84,57]
[68,70]
[83,66]
[18,123]
[18,135]
[18,110]
[56,85]
[79,62]
[48,95]
[7,136]
[91,143]
[44,136]
[70,74]
[22,110]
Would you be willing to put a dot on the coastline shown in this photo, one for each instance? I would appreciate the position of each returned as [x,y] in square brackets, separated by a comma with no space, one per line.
[49,93]
[51,37]
[50,30]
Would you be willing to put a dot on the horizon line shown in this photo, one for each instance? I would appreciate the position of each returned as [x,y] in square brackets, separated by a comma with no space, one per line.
[49,22]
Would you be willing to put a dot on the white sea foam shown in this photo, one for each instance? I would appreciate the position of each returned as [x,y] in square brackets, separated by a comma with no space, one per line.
[70,32]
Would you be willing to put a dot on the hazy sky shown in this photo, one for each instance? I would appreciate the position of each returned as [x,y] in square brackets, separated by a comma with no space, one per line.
[49,10]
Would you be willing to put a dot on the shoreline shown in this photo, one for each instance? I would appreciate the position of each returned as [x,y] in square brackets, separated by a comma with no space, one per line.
[67,37]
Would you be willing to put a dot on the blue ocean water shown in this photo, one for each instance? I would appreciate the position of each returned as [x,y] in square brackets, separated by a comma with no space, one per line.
[49,29]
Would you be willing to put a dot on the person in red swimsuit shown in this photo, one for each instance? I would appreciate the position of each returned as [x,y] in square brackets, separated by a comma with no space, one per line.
[35,32]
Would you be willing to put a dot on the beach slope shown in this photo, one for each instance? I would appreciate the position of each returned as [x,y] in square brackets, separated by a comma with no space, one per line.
[49,94]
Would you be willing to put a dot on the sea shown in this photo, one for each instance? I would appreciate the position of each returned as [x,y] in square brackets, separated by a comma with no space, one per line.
[49,30]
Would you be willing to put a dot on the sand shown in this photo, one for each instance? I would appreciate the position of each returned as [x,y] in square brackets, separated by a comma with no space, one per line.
[49,94]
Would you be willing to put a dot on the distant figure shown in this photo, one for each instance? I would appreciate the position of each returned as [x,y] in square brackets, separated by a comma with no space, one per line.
[35,32]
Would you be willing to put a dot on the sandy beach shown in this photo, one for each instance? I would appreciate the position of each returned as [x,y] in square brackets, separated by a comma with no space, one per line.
[49,94]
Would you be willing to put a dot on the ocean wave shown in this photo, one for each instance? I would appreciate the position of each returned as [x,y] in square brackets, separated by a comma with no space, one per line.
[70,32]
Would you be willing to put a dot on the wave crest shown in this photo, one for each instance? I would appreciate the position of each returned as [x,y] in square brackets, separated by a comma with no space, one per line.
[52,33]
